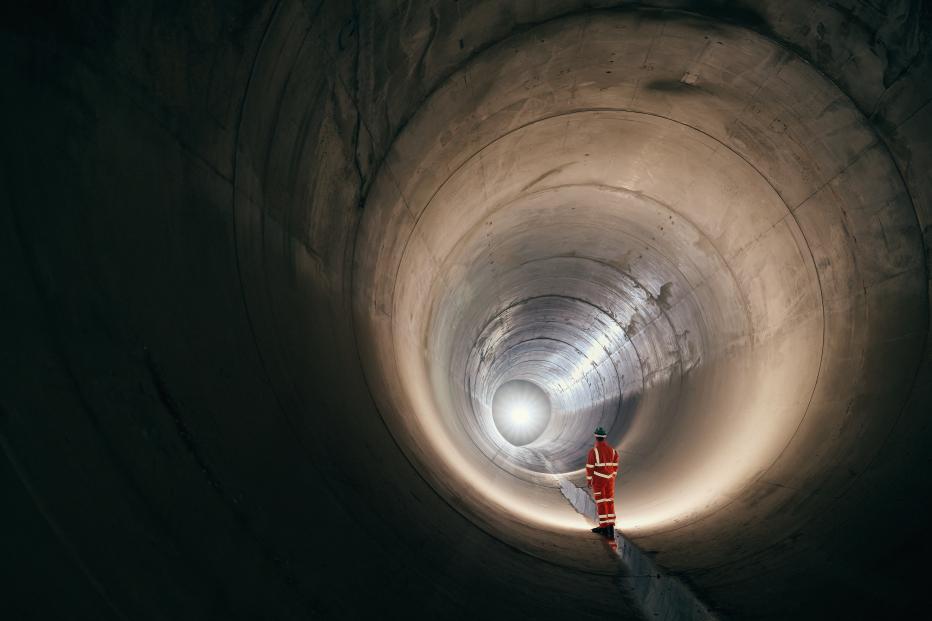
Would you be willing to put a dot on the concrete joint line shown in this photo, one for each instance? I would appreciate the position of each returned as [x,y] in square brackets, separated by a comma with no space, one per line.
[657,594]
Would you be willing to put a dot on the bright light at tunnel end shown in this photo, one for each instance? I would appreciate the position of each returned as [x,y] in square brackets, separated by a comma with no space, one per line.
[520,414]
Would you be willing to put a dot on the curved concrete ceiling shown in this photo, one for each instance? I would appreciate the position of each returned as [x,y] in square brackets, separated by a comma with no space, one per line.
[268,269]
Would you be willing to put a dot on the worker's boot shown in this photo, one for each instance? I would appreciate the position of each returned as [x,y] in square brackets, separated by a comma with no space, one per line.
[599,530]
[610,531]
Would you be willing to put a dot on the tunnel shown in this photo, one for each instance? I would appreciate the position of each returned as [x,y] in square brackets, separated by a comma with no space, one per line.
[310,309]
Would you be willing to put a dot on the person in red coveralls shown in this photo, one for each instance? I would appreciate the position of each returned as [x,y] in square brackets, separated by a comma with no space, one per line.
[601,470]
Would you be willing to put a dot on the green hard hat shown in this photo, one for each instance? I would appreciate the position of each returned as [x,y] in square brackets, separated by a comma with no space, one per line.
[600,433]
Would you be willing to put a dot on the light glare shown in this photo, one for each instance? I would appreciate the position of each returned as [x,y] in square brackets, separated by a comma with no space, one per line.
[520,414]
[520,411]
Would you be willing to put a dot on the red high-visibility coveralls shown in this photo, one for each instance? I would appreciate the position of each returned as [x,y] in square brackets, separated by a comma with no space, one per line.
[601,470]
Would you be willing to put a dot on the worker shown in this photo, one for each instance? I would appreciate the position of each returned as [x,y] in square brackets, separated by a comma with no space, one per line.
[601,470]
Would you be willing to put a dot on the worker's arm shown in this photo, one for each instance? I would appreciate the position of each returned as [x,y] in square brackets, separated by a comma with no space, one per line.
[615,456]
[590,467]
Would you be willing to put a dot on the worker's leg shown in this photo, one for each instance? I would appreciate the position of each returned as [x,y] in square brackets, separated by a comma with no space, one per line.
[602,500]
[596,494]
[608,493]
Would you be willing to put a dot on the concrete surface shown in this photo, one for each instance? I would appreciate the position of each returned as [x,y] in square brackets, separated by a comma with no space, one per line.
[657,594]
[264,266]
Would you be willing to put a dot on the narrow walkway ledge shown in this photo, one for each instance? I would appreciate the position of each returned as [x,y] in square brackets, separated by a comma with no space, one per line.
[659,595]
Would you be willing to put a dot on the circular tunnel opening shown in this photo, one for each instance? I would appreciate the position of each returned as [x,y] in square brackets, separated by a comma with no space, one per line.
[520,411]
[641,248]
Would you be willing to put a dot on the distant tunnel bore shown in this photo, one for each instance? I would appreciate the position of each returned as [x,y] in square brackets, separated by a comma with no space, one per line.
[521,411]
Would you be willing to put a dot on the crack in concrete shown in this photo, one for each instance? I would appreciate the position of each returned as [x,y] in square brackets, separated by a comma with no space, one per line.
[657,594]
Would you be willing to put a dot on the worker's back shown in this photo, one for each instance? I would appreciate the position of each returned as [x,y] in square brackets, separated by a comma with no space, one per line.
[602,461]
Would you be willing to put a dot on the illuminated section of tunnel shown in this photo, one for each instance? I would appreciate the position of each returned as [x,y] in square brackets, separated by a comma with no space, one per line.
[642,241]
[520,410]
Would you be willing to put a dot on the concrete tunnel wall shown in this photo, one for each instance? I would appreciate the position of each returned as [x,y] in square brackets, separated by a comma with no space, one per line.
[264,267]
